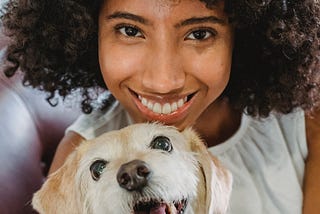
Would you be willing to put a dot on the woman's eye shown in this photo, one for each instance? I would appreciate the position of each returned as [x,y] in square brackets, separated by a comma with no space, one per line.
[97,168]
[162,143]
[199,35]
[129,31]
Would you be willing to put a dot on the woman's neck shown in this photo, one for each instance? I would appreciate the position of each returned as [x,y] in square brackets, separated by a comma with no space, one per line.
[218,123]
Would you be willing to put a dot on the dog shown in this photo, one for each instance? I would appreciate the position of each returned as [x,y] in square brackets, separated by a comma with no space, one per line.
[140,169]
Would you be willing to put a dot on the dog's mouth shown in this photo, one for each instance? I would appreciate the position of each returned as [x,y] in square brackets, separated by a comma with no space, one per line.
[159,207]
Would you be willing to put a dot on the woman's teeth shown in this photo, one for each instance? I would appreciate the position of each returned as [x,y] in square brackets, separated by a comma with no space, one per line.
[166,108]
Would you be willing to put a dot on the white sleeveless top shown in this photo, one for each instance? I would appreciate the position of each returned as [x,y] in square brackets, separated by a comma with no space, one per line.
[266,157]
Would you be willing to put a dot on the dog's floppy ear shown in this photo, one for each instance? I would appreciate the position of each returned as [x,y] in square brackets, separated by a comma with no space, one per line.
[59,193]
[218,180]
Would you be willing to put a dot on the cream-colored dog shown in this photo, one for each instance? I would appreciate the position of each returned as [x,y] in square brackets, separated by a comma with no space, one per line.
[140,169]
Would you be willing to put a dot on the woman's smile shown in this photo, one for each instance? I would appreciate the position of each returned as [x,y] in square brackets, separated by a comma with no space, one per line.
[167,109]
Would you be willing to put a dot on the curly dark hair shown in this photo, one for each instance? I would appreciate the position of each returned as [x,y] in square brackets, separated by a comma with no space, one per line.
[276,58]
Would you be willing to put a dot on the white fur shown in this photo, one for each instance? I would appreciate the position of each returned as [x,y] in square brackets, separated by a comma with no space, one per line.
[187,172]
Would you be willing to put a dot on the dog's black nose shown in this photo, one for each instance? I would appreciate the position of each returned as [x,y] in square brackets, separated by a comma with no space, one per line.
[134,175]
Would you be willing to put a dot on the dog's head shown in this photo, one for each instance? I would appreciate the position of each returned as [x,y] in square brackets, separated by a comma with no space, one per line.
[143,168]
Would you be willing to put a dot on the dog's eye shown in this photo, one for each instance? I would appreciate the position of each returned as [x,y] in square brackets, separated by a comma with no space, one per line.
[97,168]
[161,142]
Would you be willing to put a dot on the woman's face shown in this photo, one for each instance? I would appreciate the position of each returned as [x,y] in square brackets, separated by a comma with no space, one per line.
[164,60]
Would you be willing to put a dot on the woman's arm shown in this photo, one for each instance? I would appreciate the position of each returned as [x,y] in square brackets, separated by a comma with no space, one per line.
[311,204]
[70,141]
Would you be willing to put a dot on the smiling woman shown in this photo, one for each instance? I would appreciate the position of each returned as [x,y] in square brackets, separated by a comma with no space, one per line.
[69,55]
[245,74]
[157,46]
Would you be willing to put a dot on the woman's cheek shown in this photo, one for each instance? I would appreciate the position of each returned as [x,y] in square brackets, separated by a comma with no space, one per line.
[118,65]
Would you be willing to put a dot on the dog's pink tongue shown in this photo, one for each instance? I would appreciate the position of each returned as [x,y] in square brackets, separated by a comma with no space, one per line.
[159,209]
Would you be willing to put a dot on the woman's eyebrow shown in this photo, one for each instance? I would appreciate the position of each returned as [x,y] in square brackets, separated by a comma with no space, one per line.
[126,15]
[199,20]
[190,21]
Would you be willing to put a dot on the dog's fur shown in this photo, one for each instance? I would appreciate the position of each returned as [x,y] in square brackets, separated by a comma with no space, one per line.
[187,172]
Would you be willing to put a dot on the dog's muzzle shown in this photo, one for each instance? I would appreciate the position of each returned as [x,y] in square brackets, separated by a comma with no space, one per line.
[134,176]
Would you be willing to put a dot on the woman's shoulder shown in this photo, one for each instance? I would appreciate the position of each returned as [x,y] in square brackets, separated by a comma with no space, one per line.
[276,120]
[266,155]
[285,129]
[289,129]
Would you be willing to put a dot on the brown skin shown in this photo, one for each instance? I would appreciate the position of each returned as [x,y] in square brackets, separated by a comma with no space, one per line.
[70,141]
[312,171]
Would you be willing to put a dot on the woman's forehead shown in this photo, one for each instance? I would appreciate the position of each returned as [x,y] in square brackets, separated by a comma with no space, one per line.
[176,2]
[209,3]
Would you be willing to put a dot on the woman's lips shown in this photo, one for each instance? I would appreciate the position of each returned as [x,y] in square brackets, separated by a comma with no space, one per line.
[167,112]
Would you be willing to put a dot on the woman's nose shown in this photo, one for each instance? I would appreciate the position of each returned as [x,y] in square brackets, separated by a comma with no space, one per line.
[164,73]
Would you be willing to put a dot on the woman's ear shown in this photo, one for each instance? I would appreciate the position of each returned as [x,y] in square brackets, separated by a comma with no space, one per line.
[59,193]
[217,180]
